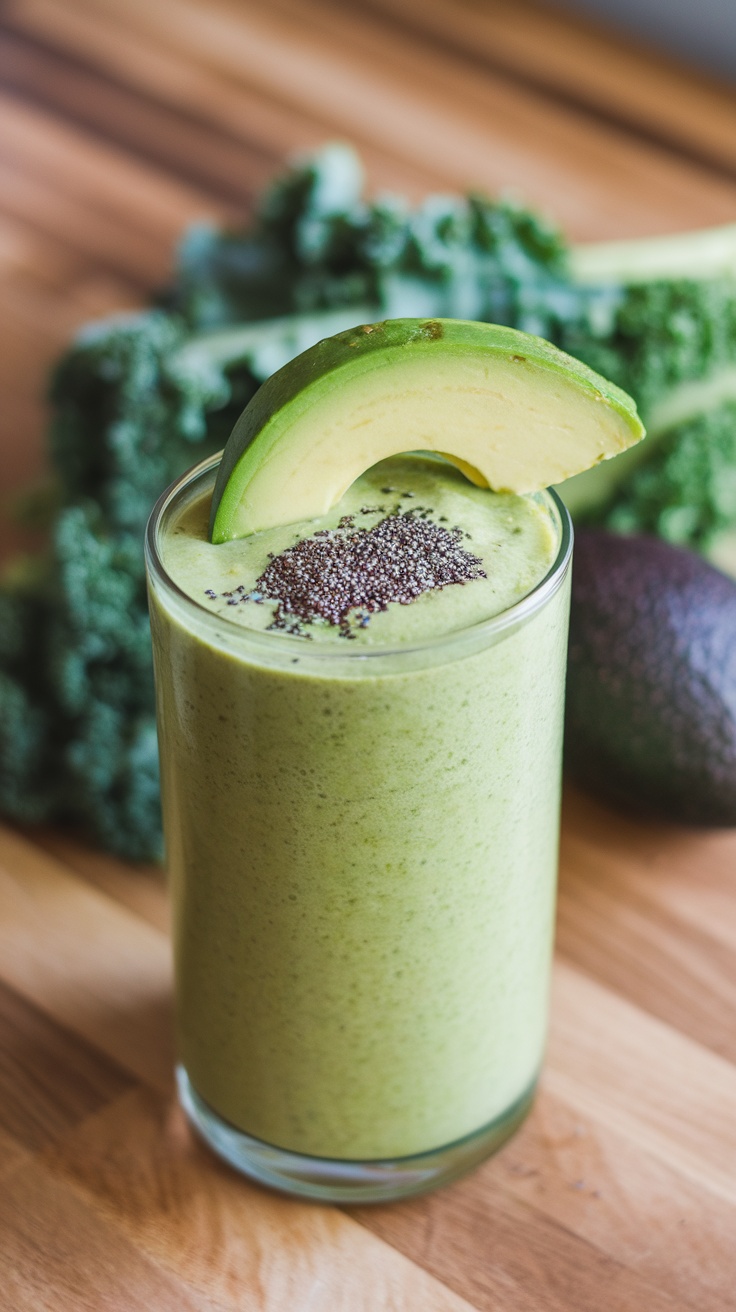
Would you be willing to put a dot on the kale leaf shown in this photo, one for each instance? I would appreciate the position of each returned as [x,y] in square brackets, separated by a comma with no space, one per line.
[140,397]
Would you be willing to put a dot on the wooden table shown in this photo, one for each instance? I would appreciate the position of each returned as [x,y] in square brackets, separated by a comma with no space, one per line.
[121,121]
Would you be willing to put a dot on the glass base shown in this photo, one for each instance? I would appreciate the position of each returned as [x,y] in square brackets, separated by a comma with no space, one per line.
[331,1180]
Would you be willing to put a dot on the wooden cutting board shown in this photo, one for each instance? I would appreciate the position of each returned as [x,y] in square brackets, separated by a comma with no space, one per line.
[122,120]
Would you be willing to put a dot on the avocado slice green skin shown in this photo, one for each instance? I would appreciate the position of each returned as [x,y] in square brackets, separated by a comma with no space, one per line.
[510,410]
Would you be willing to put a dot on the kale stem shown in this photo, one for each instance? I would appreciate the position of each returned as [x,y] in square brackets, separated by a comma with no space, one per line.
[695,256]
[691,399]
[268,344]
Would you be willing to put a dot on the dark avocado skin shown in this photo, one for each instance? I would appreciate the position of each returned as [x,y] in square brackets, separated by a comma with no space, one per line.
[651,704]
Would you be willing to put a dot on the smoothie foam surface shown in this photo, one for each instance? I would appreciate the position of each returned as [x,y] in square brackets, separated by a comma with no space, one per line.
[513,538]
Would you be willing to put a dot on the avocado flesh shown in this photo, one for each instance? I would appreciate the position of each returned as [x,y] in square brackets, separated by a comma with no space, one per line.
[510,410]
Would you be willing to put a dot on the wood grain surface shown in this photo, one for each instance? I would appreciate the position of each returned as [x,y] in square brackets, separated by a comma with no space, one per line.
[122,120]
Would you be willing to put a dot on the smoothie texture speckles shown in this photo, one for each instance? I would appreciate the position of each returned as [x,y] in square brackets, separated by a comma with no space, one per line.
[363,852]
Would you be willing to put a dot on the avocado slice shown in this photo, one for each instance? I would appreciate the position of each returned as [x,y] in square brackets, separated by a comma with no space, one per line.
[510,410]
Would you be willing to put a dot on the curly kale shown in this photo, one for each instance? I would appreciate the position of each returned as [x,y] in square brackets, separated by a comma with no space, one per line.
[316,245]
[138,398]
[658,316]
[685,492]
[650,339]
[128,417]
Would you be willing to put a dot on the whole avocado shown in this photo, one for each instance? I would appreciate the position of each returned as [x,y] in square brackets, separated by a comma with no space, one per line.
[651,704]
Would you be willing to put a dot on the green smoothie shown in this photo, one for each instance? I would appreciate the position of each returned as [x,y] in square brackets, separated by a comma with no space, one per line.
[362,824]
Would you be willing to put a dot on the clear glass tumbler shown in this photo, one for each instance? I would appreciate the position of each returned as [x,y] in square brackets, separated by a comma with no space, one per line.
[362,851]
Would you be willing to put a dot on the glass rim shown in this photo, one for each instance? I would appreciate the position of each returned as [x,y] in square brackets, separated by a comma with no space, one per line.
[274,645]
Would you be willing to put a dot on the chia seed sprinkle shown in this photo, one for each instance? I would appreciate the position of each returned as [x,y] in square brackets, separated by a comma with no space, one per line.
[328,575]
